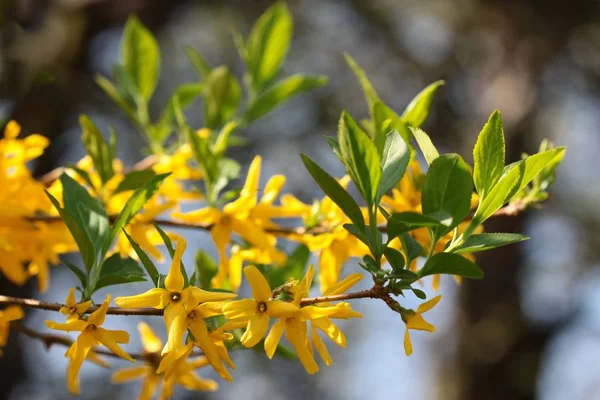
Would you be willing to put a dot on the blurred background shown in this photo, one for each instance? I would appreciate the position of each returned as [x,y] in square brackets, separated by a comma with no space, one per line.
[530,329]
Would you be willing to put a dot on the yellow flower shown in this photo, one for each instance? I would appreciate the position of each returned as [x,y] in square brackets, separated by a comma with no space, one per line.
[414,320]
[152,346]
[239,255]
[178,164]
[9,314]
[15,153]
[176,300]
[72,309]
[296,328]
[203,339]
[91,335]
[238,217]
[258,310]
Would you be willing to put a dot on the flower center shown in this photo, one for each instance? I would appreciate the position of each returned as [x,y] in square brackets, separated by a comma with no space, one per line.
[225,220]
[193,315]
[175,297]
[262,307]
[72,310]
[91,327]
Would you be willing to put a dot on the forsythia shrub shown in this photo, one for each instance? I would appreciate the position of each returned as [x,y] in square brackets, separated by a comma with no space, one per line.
[412,223]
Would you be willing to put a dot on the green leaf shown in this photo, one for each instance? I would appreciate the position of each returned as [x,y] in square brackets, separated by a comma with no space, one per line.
[268,45]
[357,232]
[412,249]
[133,180]
[360,157]
[515,177]
[116,270]
[369,91]
[183,96]
[488,155]
[222,141]
[198,61]
[386,119]
[78,274]
[400,223]
[335,192]
[87,213]
[453,264]
[426,145]
[135,203]
[84,244]
[294,267]
[169,245]
[206,269]
[101,153]
[228,169]
[114,94]
[447,188]
[335,147]
[146,262]
[417,111]
[488,241]
[395,258]
[141,57]
[394,160]
[222,97]
[83,175]
[280,92]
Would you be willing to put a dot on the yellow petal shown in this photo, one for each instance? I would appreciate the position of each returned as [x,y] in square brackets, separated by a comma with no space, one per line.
[153,298]
[428,305]
[408,349]
[129,374]
[203,216]
[304,285]
[192,382]
[272,189]
[150,342]
[261,291]
[257,327]
[279,309]
[174,280]
[331,330]
[250,188]
[320,346]
[70,302]
[12,129]
[343,285]
[254,235]
[75,325]
[296,334]
[77,353]
[149,386]
[200,333]
[175,319]
[417,322]
[202,296]
[232,325]
[274,336]
[170,360]
[237,309]
[110,338]
[98,316]
[11,313]
[82,307]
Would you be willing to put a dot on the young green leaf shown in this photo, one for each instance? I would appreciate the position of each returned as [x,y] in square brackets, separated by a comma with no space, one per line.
[100,152]
[425,144]
[169,245]
[109,88]
[417,111]
[149,266]
[281,92]
[133,180]
[395,258]
[268,44]
[141,57]
[488,155]
[360,157]
[400,223]
[86,212]
[78,274]
[370,93]
[198,62]
[335,147]
[133,206]
[335,192]
[515,177]
[116,270]
[386,119]
[488,241]
[222,97]
[357,232]
[448,187]
[394,160]
[412,249]
[453,264]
